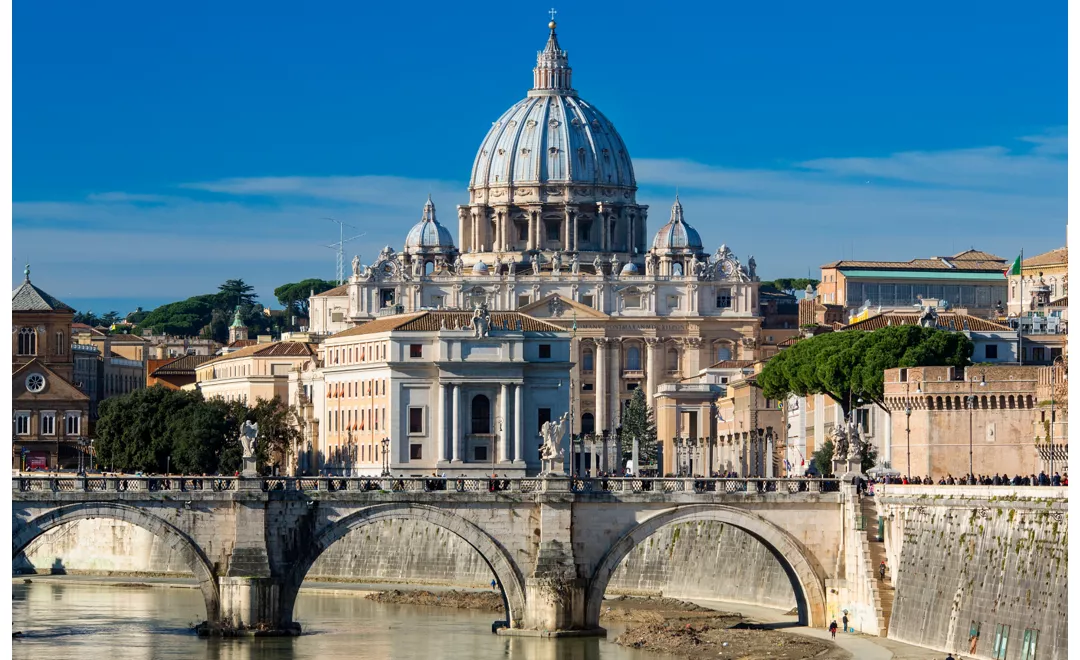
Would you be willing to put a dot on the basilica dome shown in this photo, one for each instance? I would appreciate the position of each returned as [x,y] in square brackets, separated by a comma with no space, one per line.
[677,234]
[428,234]
[552,136]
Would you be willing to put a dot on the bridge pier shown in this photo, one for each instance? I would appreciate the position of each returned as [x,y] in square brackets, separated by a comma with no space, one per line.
[251,605]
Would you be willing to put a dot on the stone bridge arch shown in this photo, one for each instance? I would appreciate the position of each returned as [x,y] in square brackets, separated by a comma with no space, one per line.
[807,580]
[179,542]
[495,555]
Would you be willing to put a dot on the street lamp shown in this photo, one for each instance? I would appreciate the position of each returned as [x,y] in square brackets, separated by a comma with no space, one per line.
[907,412]
[971,425]
[385,442]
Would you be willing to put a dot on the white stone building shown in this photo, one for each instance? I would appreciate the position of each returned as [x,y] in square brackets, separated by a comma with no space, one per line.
[426,391]
[553,229]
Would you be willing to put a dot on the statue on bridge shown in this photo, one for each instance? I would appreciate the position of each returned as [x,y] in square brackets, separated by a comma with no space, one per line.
[839,439]
[551,452]
[249,431]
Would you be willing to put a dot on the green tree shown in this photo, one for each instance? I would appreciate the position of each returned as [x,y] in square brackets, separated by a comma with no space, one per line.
[110,318]
[822,459]
[185,318]
[135,431]
[789,285]
[235,292]
[850,364]
[637,422]
[88,317]
[294,296]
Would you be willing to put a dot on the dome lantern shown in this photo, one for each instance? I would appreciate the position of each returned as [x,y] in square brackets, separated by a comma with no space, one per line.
[428,235]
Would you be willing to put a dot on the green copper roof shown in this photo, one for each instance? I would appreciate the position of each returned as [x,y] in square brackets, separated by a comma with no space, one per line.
[922,275]
[236,322]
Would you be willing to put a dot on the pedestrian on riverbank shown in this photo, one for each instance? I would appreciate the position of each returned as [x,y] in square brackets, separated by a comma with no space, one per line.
[881,570]
[832,628]
[845,620]
[494,584]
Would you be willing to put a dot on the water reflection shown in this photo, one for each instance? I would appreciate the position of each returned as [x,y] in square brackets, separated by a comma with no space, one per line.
[88,621]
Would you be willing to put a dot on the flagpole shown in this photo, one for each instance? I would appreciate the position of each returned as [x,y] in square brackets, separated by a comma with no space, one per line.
[1020,319]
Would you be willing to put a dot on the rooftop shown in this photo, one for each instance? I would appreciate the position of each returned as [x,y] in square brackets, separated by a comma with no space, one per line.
[1058,257]
[276,349]
[29,298]
[183,365]
[945,320]
[430,321]
[966,261]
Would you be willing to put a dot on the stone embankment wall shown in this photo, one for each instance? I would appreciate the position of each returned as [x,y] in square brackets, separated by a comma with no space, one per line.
[703,560]
[970,559]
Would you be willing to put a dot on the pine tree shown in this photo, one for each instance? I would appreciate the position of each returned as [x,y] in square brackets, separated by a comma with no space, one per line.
[637,421]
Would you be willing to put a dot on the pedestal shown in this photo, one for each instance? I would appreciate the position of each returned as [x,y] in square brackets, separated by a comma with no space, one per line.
[250,468]
[250,606]
[848,466]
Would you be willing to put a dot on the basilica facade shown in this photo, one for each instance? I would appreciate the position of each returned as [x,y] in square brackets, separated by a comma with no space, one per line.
[552,228]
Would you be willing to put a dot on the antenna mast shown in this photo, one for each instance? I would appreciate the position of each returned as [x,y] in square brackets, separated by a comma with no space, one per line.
[339,247]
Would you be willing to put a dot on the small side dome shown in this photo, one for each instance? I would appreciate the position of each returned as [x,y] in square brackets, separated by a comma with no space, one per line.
[677,234]
[428,234]
[630,269]
[480,268]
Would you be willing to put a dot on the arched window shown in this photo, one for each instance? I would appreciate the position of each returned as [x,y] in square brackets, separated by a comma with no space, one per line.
[588,423]
[429,267]
[587,360]
[676,270]
[27,341]
[60,342]
[672,359]
[723,352]
[633,358]
[481,414]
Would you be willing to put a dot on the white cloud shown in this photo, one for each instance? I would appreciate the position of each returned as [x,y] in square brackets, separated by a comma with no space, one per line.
[270,230]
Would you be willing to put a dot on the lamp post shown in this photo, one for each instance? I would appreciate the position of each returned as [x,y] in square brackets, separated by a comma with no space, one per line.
[385,442]
[907,413]
[971,425]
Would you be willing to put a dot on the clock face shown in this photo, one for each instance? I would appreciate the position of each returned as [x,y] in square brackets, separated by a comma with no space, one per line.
[35,382]
[725,267]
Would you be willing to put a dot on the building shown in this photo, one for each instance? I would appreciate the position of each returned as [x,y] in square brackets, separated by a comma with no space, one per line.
[165,346]
[445,394]
[1039,305]
[237,330]
[260,371]
[552,229]
[945,419]
[174,373]
[120,364]
[51,416]
[971,281]
[993,342]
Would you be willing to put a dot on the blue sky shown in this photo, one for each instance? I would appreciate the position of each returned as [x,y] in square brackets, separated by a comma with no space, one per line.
[160,149]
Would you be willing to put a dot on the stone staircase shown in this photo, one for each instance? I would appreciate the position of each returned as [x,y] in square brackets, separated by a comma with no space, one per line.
[884,591]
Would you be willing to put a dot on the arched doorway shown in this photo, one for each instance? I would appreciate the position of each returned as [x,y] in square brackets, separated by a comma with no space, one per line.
[507,575]
[187,549]
[807,580]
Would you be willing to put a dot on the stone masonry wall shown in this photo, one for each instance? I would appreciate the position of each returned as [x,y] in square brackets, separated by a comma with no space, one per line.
[980,561]
[704,560]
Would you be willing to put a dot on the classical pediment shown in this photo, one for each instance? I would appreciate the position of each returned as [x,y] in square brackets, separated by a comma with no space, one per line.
[555,306]
[54,388]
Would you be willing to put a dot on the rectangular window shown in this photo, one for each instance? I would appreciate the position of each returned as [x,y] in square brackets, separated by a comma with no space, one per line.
[545,351]
[523,300]
[416,350]
[1027,650]
[523,232]
[587,301]
[337,317]
[72,423]
[991,351]
[480,453]
[543,415]
[386,298]
[584,229]
[552,231]
[586,387]
[437,301]
[416,452]
[723,298]
[22,423]
[903,375]
[630,387]
[1001,642]
[48,423]
[416,420]
[673,302]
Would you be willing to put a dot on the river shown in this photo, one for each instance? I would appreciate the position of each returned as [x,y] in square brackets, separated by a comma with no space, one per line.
[78,621]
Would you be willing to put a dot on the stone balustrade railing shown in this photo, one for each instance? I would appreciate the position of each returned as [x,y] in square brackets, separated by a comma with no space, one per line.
[123,484]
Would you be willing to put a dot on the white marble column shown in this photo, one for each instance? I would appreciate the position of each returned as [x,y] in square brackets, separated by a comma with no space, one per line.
[455,429]
[519,427]
[652,356]
[600,388]
[615,385]
[504,432]
[532,231]
[441,434]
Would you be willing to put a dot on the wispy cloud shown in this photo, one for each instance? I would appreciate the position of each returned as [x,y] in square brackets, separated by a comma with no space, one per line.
[793,217]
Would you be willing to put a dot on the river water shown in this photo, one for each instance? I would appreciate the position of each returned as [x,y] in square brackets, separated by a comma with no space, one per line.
[79,622]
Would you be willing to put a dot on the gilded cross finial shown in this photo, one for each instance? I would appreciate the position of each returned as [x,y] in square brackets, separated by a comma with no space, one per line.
[552,13]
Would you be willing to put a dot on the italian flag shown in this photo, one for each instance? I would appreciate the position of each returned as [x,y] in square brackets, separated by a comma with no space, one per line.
[1015,268]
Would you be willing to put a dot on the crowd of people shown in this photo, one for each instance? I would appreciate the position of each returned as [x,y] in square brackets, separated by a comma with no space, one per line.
[1042,479]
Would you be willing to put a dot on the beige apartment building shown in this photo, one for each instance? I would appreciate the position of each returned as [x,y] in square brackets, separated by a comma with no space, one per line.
[252,373]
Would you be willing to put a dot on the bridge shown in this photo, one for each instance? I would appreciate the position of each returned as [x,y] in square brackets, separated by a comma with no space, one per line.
[552,543]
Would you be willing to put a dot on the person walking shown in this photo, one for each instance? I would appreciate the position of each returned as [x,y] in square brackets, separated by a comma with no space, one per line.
[832,628]
[845,620]
[950,657]
[881,570]
[493,584]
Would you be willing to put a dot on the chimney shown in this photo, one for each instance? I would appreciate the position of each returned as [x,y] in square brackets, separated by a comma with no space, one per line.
[264,339]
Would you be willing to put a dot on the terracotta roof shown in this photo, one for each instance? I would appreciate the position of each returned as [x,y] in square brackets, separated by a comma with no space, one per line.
[1056,257]
[29,298]
[790,341]
[946,321]
[123,338]
[185,364]
[276,349]
[336,291]
[82,327]
[243,343]
[431,321]
[969,260]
